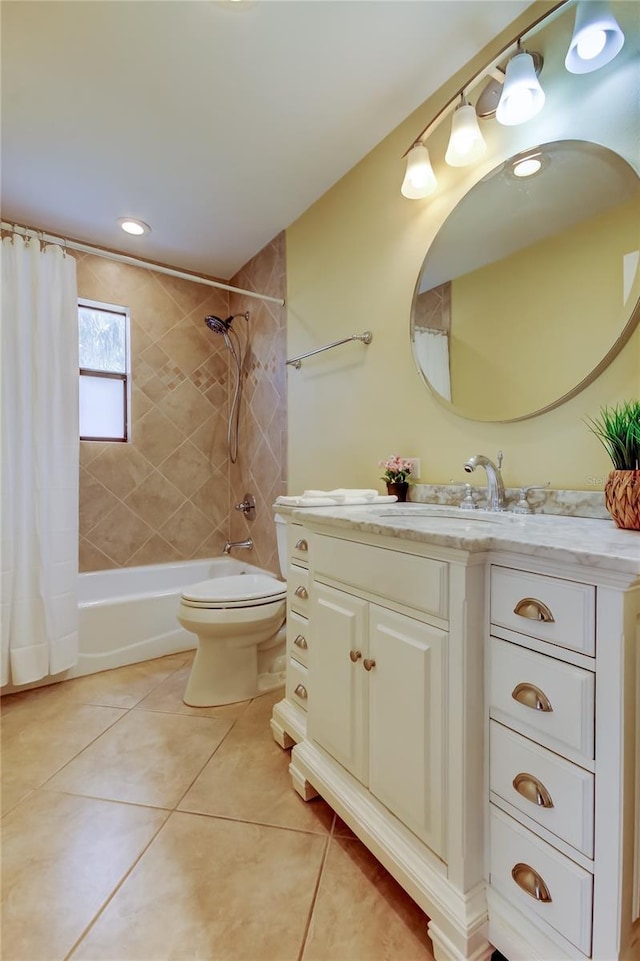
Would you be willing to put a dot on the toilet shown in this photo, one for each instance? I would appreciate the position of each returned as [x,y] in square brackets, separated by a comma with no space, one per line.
[240,623]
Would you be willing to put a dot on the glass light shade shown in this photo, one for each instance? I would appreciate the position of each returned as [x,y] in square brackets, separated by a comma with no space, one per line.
[597,37]
[419,180]
[135,227]
[466,143]
[522,96]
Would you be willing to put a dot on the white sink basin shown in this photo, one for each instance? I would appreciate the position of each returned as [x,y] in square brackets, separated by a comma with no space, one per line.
[435,512]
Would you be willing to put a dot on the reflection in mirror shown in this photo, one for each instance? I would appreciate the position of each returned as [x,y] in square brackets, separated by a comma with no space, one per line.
[531,285]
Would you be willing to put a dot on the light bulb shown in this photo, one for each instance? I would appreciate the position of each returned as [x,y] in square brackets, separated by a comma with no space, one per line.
[466,144]
[419,179]
[528,167]
[135,227]
[597,37]
[522,96]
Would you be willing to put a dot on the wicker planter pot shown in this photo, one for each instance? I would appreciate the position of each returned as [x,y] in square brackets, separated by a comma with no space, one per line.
[622,498]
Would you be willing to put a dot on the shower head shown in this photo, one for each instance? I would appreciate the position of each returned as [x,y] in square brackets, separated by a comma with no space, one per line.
[220,326]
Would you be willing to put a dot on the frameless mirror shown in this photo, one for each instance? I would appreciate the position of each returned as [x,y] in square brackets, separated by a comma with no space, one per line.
[532,284]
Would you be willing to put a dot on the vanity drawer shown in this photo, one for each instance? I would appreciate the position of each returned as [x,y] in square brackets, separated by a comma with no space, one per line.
[544,699]
[298,590]
[554,792]
[418,582]
[298,544]
[542,872]
[297,684]
[557,611]
[298,638]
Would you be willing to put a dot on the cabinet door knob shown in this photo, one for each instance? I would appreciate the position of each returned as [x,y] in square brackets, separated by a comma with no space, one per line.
[531,696]
[302,545]
[530,881]
[301,592]
[301,642]
[355,655]
[532,789]
[368,664]
[301,691]
[534,610]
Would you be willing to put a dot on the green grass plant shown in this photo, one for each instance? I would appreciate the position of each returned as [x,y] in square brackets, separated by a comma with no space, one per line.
[618,430]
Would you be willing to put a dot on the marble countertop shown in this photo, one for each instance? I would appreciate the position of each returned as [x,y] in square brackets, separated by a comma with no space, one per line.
[577,540]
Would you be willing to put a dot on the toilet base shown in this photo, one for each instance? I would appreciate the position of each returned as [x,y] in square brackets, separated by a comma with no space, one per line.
[225,674]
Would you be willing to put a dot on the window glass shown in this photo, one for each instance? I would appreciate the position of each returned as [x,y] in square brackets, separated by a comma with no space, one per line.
[103,339]
[104,390]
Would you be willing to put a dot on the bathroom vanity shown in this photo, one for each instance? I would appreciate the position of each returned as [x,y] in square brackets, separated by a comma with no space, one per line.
[464,691]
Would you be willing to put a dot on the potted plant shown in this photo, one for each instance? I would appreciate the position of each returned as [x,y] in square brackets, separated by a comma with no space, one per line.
[397,470]
[618,430]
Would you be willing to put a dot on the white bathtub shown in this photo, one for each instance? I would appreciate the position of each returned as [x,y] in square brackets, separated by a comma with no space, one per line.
[129,614]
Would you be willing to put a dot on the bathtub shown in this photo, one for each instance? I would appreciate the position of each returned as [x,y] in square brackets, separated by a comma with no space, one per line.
[129,614]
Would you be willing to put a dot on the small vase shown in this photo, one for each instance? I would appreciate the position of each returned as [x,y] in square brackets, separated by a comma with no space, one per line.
[399,489]
[622,498]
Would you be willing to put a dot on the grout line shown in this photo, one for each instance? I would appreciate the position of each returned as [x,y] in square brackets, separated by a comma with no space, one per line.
[216,748]
[115,890]
[314,897]
[262,824]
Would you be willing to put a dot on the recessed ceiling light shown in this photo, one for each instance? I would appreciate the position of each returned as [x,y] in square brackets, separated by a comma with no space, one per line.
[527,167]
[135,227]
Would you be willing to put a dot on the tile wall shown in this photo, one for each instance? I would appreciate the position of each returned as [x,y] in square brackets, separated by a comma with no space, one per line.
[166,495]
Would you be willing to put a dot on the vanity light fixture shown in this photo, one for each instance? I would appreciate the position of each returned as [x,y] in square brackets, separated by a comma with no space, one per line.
[522,96]
[135,227]
[597,37]
[466,143]
[419,179]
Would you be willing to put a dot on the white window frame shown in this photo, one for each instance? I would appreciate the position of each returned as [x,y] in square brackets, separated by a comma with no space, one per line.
[112,375]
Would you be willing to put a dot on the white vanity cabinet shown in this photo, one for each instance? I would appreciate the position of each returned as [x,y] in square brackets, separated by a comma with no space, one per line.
[378,704]
[564,809]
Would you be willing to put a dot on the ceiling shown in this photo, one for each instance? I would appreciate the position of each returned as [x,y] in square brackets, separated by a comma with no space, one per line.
[217,123]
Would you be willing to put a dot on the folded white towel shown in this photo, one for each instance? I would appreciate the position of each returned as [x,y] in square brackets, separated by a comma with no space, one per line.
[344,492]
[304,500]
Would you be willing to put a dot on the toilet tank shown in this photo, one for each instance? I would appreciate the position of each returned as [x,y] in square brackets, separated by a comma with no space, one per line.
[281,536]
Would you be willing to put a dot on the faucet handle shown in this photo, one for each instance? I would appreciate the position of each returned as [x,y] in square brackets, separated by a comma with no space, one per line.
[523,506]
[499,459]
[468,502]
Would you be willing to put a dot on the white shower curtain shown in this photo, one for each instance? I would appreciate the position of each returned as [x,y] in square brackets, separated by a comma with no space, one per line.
[40,450]
[432,349]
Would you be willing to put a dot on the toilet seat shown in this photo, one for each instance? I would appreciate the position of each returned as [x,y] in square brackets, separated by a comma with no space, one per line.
[234,591]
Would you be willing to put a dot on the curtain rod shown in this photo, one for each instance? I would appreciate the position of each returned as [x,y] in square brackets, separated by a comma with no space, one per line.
[135,262]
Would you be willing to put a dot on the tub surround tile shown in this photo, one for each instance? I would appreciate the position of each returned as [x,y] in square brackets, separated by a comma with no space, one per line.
[120,534]
[155,500]
[186,345]
[187,468]
[92,559]
[120,468]
[146,758]
[62,857]
[381,923]
[154,549]
[226,905]
[95,500]
[186,407]
[267,797]
[157,437]
[187,529]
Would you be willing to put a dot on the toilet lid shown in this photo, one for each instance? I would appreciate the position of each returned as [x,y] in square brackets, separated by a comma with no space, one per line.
[238,588]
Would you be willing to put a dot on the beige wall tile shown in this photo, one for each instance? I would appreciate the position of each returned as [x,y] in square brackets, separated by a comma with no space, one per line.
[120,468]
[120,534]
[155,500]
[157,437]
[156,550]
[187,468]
[187,529]
[95,501]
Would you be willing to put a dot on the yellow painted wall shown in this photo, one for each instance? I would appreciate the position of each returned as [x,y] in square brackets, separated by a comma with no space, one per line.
[352,263]
[530,310]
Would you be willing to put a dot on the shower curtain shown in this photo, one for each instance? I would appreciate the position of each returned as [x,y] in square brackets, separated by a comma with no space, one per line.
[40,451]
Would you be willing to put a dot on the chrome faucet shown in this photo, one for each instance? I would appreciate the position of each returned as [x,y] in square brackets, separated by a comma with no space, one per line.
[230,544]
[495,486]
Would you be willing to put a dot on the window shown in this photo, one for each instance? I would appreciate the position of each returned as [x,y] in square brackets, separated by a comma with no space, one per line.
[104,371]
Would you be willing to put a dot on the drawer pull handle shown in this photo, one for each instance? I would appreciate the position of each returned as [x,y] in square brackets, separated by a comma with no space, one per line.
[531,696]
[532,789]
[301,592]
[302,545]
[530,881]
[301,691]
[534,610]
[355,656]
[301,642]
[368,664]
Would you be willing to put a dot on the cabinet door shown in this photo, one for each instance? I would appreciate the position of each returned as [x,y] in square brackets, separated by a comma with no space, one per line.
[406,721]
[337,710]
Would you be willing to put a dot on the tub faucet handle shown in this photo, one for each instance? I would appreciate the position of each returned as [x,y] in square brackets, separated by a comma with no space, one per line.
[246,505]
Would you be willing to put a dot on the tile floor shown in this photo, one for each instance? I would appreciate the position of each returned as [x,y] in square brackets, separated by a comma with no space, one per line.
[136,828]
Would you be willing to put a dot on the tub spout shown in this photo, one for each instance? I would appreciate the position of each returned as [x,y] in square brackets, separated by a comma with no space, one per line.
[248,544]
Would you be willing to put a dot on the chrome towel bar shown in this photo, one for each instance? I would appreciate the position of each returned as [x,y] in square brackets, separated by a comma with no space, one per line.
[366,338]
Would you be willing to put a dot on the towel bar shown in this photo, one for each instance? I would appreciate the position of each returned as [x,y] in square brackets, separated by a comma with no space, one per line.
[366,338]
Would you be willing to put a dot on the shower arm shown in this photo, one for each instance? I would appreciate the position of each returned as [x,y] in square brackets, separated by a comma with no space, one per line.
[366,338]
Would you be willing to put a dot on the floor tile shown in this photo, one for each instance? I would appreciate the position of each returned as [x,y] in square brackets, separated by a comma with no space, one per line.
[38,741]
[123,686]
[145,758]
[248,778]
[167,698]
[362,914]
[62,856]
[211,890]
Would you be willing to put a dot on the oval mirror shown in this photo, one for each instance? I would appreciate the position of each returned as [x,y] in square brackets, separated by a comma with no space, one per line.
[531,286]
